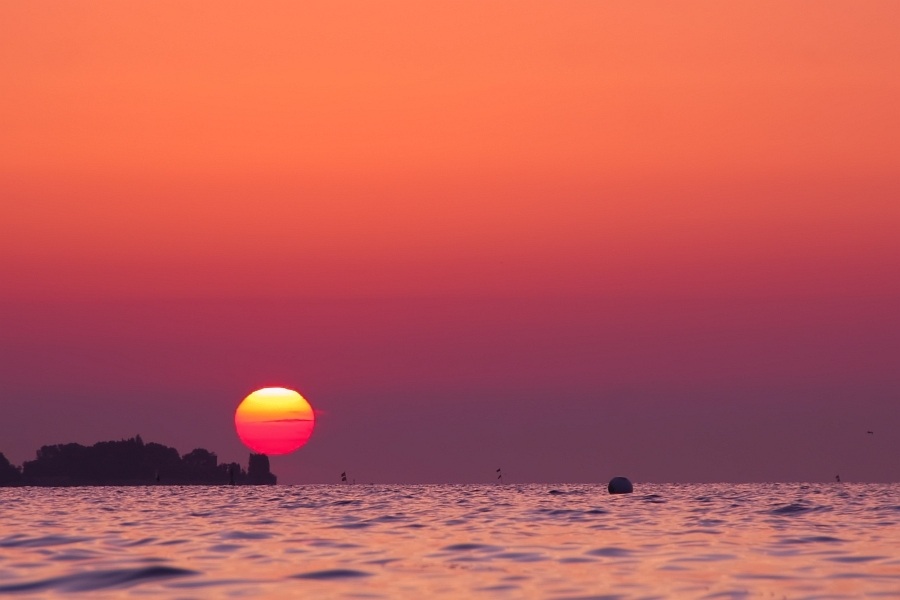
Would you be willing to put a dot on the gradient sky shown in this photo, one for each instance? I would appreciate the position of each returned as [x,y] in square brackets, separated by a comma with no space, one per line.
[573,240]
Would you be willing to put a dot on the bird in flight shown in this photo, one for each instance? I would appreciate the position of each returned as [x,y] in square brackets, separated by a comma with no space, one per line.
[871,432]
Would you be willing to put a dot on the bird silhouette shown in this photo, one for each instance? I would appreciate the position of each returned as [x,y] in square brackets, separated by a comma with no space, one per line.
[871,432]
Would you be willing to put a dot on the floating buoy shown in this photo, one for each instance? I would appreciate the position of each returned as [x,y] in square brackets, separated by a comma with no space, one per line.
[620,485]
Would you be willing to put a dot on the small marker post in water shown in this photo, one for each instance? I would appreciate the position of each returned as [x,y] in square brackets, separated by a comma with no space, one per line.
[344,477]
[500,475]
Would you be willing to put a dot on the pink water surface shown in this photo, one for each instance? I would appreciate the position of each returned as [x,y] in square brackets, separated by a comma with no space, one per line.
[443,541]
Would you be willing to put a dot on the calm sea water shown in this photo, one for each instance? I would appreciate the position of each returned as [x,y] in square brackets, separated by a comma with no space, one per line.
[446,541]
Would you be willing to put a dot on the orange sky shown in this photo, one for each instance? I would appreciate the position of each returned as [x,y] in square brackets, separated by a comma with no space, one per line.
[586,87]
[409,133]
[746,154]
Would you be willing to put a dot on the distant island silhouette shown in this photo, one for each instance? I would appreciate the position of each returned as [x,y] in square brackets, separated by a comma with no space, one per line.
[131,462]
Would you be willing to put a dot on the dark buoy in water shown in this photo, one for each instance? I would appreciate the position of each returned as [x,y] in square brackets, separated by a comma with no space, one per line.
[620,485]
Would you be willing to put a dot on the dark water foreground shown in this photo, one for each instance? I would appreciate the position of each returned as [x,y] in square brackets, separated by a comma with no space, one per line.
[442,541]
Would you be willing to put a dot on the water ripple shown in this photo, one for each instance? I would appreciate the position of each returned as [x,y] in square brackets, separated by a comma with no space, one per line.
[471,548]
[21,541]
[332,574]
[610,552]
[530,541]
[98,580]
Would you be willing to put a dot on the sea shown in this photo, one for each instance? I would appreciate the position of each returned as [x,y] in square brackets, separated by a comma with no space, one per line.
[554,541]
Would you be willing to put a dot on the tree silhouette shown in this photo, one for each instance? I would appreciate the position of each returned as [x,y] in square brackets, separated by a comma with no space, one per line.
[131,462]
[9,474]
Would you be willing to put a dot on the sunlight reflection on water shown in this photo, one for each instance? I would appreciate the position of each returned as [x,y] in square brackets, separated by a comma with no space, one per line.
[387,541]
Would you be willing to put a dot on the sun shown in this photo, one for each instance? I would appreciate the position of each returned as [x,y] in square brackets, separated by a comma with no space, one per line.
[274,421]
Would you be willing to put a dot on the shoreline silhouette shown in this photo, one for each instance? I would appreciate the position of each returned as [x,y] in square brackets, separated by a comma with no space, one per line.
[131,462]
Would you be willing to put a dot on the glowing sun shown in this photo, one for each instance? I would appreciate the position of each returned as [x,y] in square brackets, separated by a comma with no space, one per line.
[274,421]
